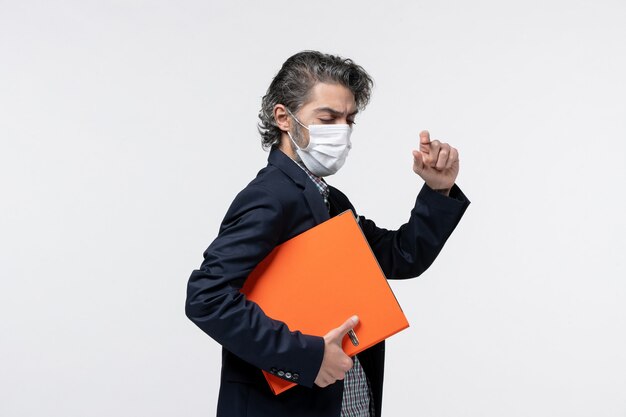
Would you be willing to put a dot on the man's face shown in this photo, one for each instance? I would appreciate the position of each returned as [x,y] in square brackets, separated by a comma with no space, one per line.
[328,104]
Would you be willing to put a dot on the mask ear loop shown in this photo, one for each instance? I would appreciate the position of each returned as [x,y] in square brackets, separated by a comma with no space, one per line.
[296,119]
[293,141]
[289,133]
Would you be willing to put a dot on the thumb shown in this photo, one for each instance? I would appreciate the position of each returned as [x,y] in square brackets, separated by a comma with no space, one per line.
[342,330]
[418,162]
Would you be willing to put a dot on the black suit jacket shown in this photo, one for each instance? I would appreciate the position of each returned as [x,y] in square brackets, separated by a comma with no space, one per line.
[280,203]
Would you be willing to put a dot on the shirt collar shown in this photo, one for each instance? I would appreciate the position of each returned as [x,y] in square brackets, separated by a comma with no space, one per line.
[318,181]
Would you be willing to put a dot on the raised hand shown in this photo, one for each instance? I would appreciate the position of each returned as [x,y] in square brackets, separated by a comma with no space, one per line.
[436,162]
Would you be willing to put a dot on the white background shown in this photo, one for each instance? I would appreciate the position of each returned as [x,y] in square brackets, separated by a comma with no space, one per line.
[127,127]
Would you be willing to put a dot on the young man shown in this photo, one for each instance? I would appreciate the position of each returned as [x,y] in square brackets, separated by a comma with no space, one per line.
[306,122]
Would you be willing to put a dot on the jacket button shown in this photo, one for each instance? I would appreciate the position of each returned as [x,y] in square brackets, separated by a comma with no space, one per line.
[288,375]
[273,371]
[281,373]
[295,376]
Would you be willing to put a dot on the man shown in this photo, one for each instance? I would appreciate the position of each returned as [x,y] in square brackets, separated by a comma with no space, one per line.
[306,121]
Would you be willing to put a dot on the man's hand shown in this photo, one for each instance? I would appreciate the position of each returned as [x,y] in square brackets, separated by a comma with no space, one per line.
[335,363]
[436,162]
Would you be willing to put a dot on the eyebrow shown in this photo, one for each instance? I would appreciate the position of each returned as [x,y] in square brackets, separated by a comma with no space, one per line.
[333,111]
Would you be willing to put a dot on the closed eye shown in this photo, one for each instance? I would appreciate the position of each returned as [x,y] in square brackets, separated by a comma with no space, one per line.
[349,122]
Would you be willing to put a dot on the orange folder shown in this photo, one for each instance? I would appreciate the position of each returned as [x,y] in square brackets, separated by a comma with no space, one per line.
[320,278]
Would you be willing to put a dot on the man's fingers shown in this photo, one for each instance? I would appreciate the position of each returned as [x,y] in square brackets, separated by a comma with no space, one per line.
[330,377]
[433,154]
[418,162]
[346,327]
[442,158]
[336,335]
[342,375]
[424,141]
[436,162]
[323,381]
[346,364]
[335,363]
[454,156]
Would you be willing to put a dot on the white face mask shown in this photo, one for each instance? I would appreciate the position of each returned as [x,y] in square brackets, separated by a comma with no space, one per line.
[327,149]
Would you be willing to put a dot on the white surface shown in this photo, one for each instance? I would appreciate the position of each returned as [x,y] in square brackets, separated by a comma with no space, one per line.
[127,128]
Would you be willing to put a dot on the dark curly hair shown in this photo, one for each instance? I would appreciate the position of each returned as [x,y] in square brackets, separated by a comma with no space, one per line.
[296,78]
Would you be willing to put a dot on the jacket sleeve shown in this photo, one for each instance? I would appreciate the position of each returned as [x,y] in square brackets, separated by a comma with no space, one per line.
[410,250]
[250,230]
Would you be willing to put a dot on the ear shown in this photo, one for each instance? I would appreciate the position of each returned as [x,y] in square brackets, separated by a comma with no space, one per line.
[281,117]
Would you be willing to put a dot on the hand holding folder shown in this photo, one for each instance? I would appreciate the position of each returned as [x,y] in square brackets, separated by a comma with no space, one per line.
[319,278]
[338,362]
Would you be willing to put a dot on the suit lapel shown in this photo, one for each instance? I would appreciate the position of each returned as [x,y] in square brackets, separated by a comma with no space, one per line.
[311,193]
[316,202]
